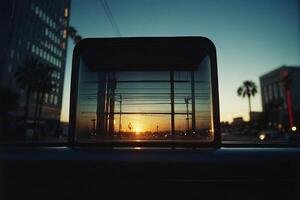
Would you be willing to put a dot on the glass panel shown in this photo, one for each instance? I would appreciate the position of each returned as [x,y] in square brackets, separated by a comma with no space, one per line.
[193,102]
[130,105]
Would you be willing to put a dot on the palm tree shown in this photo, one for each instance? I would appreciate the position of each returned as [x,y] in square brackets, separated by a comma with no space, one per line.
[26,77]
[73,34]
[34,76]
[248,89]
[45,86]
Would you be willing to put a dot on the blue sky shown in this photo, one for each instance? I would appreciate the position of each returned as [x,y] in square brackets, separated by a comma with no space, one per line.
[251,37]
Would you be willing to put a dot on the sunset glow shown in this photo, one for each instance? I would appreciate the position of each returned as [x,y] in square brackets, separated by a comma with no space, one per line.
[138,130]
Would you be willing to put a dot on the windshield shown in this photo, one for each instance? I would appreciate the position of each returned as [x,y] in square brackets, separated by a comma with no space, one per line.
[258,57]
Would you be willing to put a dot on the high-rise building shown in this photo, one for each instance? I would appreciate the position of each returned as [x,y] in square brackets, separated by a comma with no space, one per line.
[280,97]
[37,29]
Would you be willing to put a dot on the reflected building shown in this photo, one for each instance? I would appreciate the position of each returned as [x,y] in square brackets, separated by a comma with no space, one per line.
[238,122]
[280,97]
[35,29]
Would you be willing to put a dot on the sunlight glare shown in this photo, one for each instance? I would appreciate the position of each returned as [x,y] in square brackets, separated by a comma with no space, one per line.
[138,130]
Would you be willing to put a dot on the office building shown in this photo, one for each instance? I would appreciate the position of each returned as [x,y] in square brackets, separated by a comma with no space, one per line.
[280,97]
[37,29]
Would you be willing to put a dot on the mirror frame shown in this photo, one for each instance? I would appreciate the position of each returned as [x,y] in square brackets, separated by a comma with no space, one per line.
[206,45]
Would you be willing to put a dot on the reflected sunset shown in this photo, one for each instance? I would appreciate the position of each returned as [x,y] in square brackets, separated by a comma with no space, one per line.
[145,104]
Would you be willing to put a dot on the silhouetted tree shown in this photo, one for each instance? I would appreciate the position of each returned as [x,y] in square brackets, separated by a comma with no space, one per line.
[248,89]
[73,34]
[34,76]
[26,77]
[45,85]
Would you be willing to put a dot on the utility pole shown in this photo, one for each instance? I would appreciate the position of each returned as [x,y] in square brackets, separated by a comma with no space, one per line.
[120,118]
[172,103]
[193,102]
[93,126]
[186,100]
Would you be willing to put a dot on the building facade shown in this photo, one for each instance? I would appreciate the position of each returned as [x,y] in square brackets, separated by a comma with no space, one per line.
[35,29]
[280,97]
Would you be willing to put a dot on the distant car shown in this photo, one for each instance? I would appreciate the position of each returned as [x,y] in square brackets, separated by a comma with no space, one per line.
[266,135]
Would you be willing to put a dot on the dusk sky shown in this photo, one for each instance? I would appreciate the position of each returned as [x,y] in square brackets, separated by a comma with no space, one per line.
[251,37]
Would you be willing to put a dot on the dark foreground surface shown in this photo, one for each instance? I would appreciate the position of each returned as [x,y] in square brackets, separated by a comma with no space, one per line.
[225,173]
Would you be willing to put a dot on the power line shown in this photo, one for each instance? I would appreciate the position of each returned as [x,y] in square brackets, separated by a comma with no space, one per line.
[110,17]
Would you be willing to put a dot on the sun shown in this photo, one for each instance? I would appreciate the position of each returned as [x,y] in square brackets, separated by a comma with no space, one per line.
[138,130]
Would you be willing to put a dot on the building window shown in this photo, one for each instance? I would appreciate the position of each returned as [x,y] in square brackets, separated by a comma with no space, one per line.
[41,13]
[55,100]
[65,34]
[46,98]
[63,45]
[266,96]
[36,10]
[270,92]
[45,55]
[66,12]
[51,98]
[275,90]
[33,48]
[10,68]
[12,53]
[37,49]
[57,87]
[41,53]
[32,6]
[34,95]
[281,89]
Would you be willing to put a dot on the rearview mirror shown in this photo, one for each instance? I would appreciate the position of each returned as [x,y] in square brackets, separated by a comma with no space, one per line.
[144,92]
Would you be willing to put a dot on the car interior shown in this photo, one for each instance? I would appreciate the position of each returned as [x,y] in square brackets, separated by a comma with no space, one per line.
[131,100]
